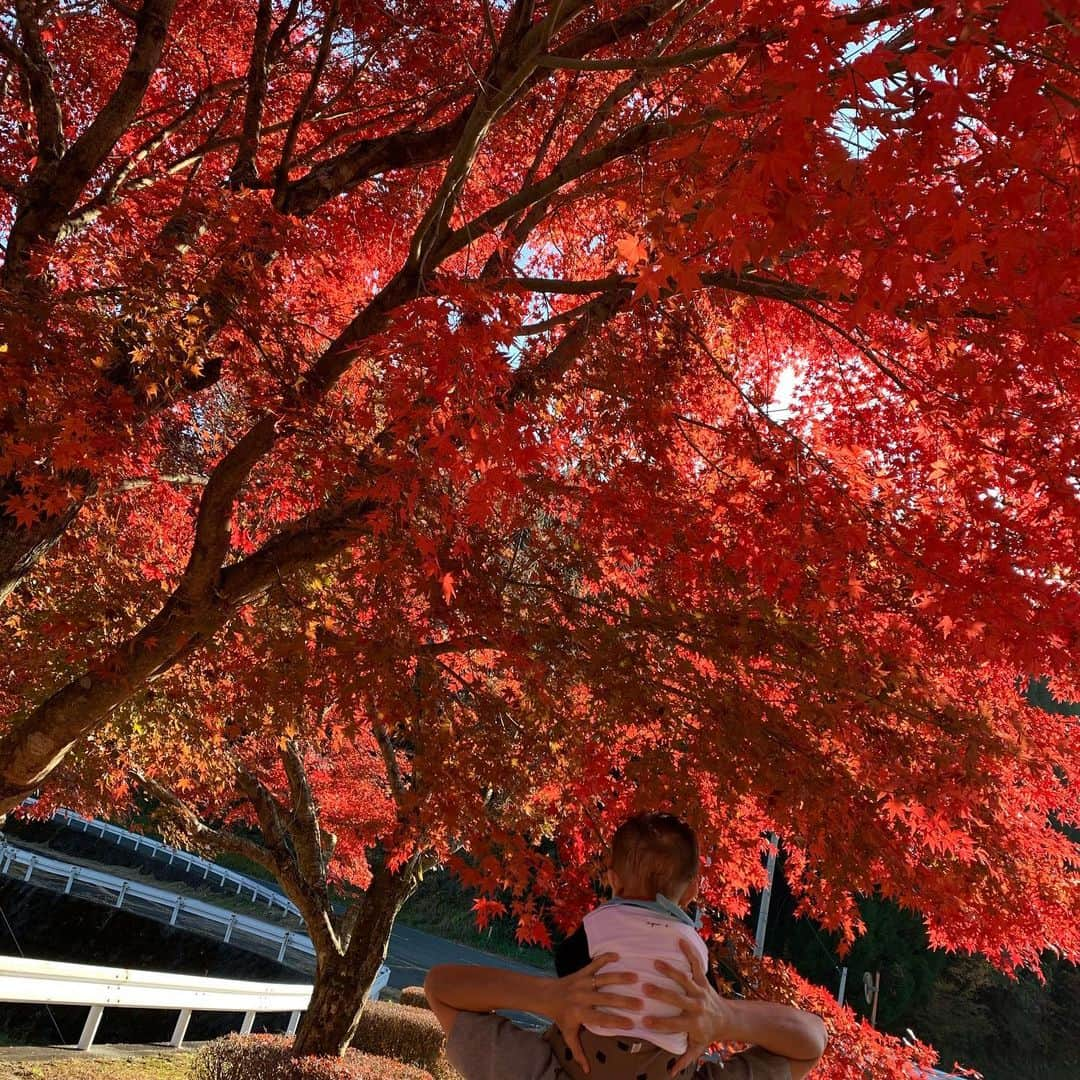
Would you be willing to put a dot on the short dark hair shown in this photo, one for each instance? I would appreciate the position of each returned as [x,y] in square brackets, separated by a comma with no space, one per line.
[658,852]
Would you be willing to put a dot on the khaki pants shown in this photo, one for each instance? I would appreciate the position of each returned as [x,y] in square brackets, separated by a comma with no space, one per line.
[484,1046]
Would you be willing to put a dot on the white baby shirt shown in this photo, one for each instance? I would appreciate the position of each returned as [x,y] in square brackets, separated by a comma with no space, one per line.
[642,932]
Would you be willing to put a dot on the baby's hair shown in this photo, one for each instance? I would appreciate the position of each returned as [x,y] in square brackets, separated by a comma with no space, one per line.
[656,853]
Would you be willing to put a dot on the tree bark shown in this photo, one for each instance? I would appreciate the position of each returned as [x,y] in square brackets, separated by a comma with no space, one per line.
[342,981]
[21,548]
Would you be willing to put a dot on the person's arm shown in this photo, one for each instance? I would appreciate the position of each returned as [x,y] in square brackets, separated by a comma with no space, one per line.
[570,1001]
[707,1018]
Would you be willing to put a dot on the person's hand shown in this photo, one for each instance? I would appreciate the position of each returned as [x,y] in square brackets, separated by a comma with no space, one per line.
[704,1016]
[578,999]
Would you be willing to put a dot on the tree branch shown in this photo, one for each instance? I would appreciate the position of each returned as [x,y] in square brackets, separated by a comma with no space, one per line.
[197,832]
[243,171]
[282,177]
[53,192]
[303,824]
[312,898]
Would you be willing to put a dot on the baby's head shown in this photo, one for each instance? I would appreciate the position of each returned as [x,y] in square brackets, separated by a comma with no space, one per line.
[654,853]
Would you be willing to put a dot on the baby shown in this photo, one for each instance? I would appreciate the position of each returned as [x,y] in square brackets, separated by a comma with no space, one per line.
[653,875]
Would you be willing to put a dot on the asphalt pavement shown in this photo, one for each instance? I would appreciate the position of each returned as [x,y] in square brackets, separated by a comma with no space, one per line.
[412,953]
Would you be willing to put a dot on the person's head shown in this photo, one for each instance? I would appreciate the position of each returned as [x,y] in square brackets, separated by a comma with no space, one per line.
[654,853]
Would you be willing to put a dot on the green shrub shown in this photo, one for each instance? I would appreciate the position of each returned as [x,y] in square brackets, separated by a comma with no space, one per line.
[405,1033]
[415,996]
[269,1057]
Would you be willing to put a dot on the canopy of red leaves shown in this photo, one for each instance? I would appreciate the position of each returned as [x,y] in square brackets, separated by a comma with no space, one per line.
[546,410]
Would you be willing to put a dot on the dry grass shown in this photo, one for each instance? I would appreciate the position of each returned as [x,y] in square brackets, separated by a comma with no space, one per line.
[165,1067]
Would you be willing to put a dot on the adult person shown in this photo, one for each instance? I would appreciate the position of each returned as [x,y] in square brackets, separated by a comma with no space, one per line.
[644,936]
[785,1042]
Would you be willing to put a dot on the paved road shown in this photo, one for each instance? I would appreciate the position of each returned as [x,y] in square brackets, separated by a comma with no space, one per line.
[412,952]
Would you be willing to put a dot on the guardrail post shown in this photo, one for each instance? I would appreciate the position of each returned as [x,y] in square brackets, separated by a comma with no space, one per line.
[93,1019]
[176,910]
[294,1023]
[229,929]
[29,868]
[284,945]
[180,1030]
[120,895]
[70,881]
[249,1021]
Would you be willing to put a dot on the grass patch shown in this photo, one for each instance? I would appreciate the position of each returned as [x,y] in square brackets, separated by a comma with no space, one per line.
[174,1066]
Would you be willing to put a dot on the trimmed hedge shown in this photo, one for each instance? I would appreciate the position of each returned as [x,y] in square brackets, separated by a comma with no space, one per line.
[269,1057]
[415,996]
[405,1033]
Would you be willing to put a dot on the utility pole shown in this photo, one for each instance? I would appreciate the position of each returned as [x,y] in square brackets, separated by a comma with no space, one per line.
[872,990]
[766,895]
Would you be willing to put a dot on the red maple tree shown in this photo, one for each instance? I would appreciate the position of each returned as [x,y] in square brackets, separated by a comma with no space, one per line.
[451,340]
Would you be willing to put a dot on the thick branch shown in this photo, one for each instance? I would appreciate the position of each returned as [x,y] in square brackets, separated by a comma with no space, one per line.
[304,104]
[514,64]
[38,72]
[243,171]
[303,824]
[413,149]
[51,196]
[38,740]
[570,169]
[311,898]
[389,756]
[197,832]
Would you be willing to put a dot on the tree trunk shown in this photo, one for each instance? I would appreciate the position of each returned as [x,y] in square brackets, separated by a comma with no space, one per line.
[342,981]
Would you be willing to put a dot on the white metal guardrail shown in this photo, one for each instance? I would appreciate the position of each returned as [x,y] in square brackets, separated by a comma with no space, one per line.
[212,872]
[292,948]
[48,982]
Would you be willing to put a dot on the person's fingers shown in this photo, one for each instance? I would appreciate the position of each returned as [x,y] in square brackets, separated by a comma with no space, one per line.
[662,993]
[616,1001]
[676,976]
[608,1019]
[696,968]
[573,1042]
[689,1058]
[615,978]
[598,962]
[670,1024]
